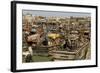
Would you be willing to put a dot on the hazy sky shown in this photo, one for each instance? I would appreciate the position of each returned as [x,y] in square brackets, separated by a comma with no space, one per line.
[54,13]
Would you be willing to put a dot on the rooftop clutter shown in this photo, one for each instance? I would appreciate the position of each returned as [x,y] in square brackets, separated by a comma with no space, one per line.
[47,34]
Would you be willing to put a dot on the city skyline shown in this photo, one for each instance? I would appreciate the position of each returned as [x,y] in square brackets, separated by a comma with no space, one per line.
[55,13]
